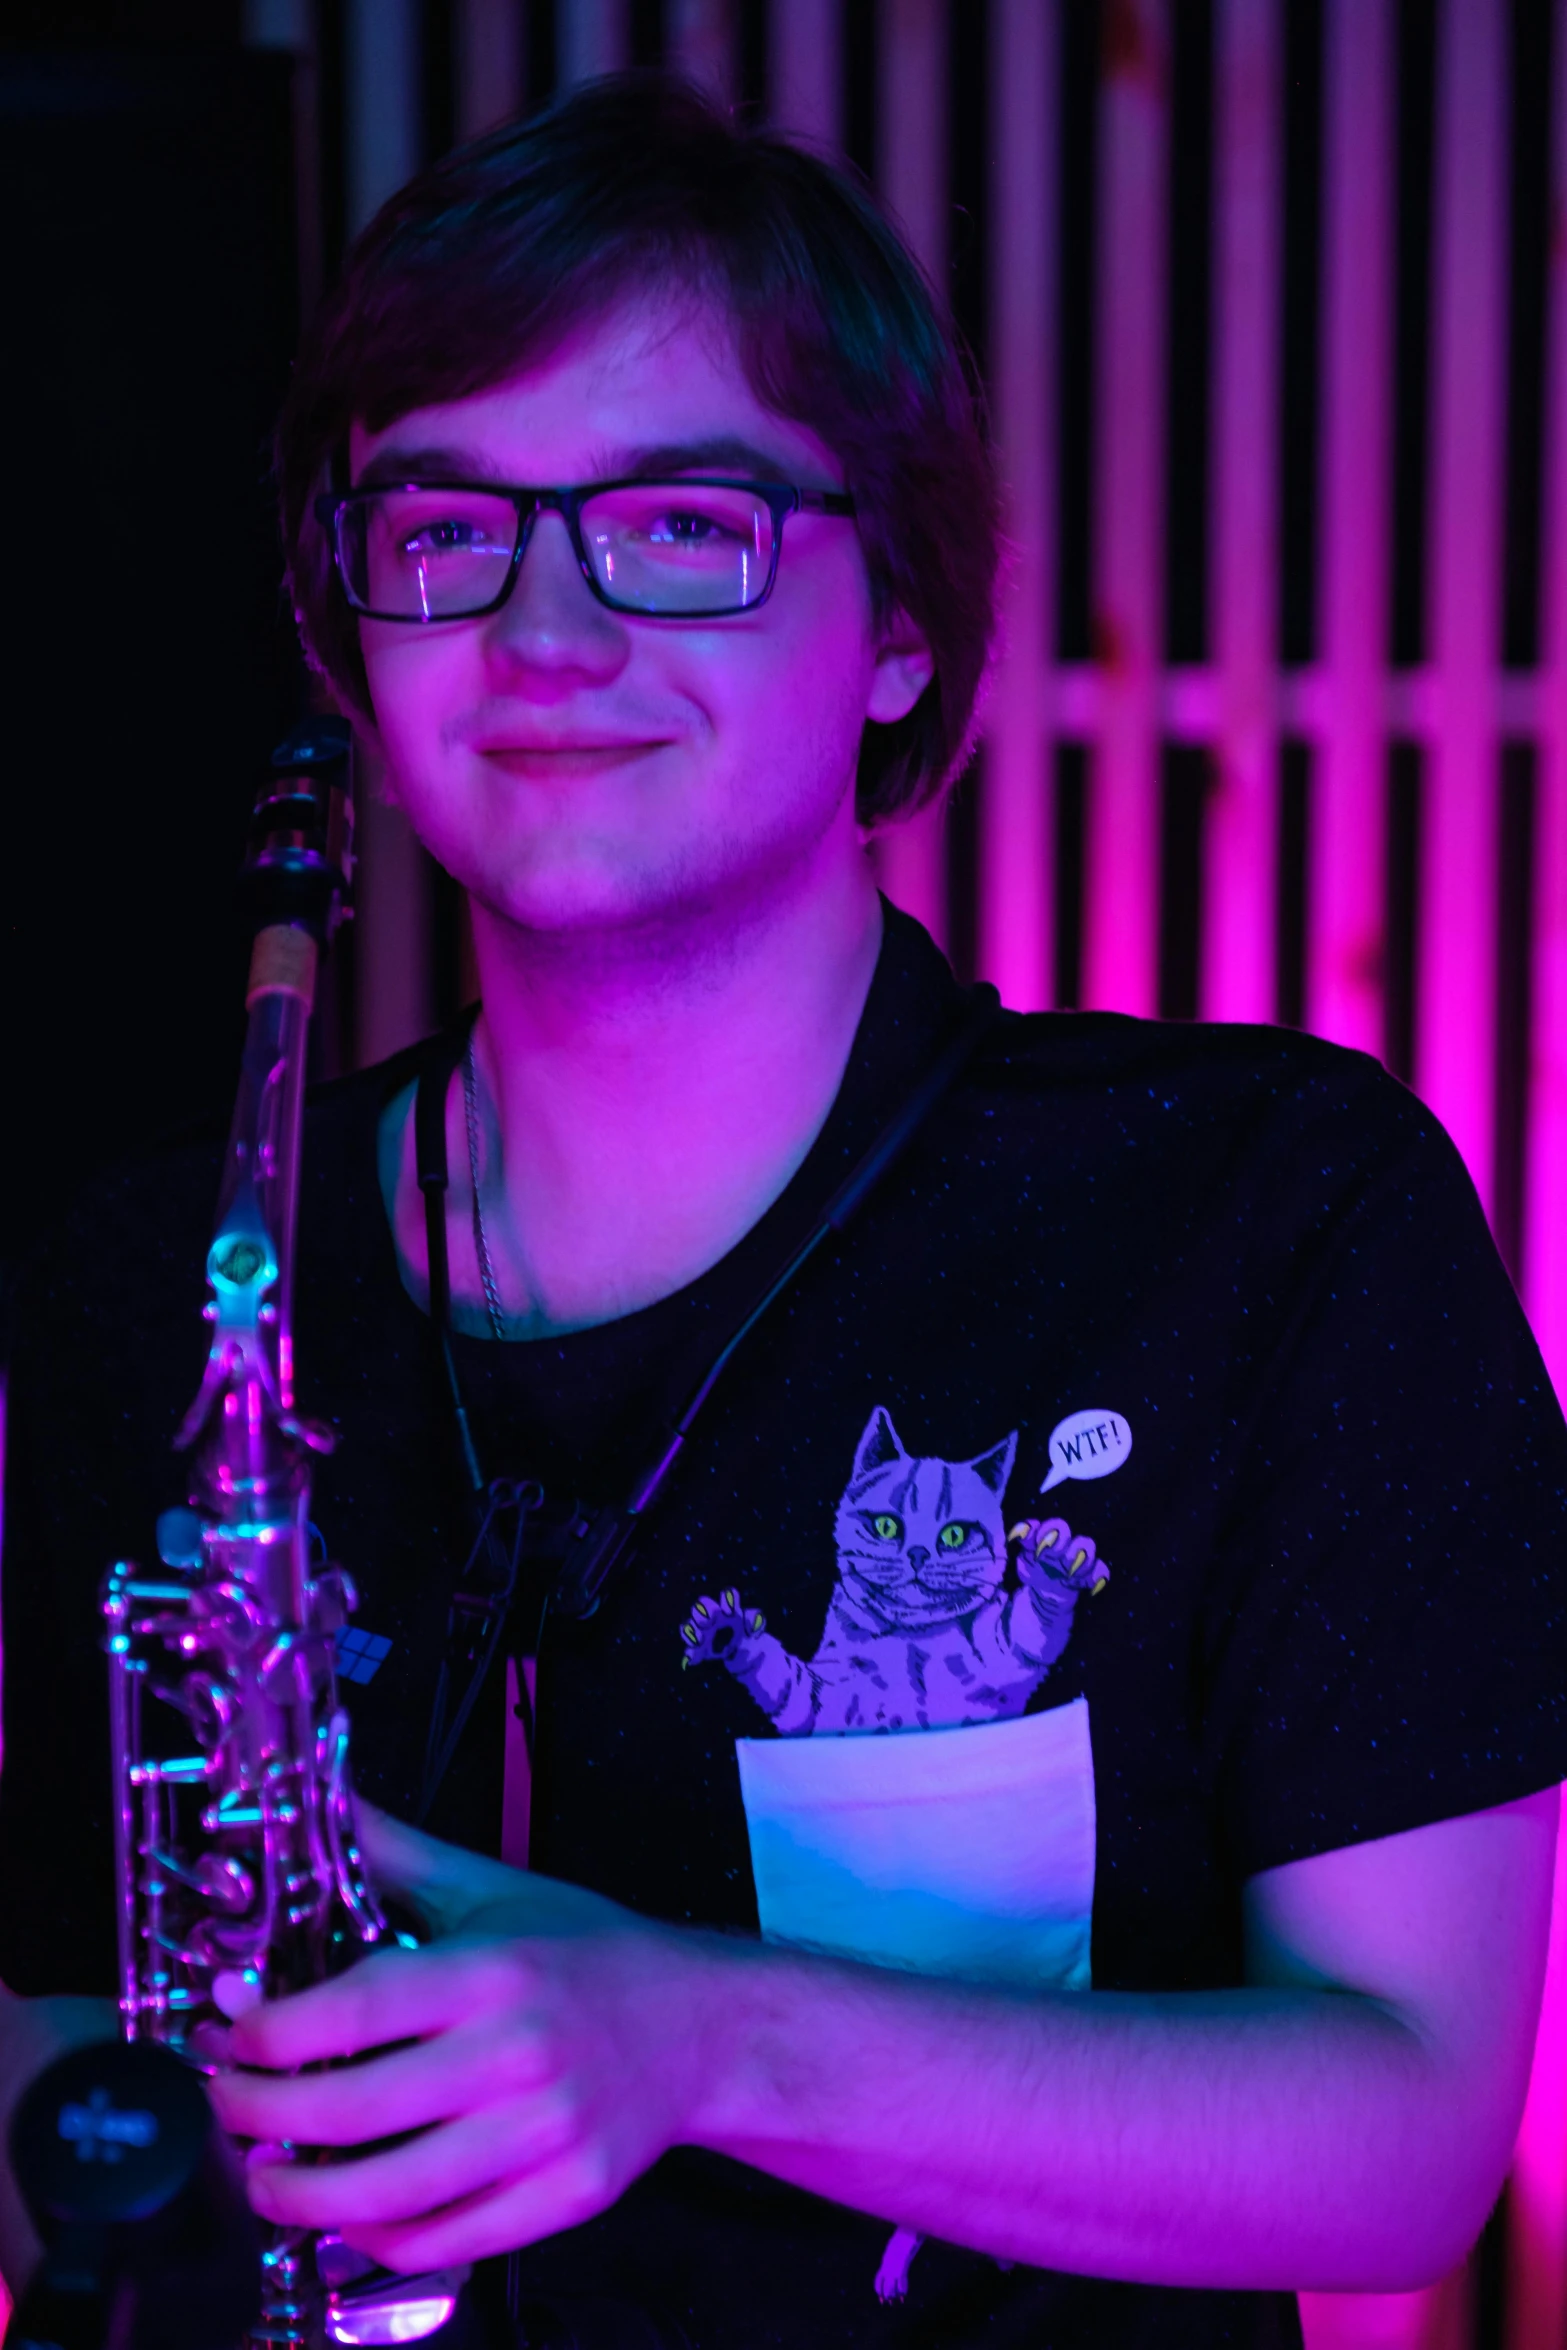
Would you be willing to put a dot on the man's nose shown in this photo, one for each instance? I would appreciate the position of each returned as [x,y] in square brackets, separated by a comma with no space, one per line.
[552,621]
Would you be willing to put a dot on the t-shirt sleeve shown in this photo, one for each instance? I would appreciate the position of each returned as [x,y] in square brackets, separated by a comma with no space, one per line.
[1385,1636]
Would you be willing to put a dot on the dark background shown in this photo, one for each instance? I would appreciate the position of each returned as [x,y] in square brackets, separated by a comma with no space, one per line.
[171,199]
[148,289]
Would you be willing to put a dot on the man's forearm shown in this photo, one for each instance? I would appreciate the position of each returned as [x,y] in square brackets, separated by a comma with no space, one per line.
[547,2045]
[1248,2138]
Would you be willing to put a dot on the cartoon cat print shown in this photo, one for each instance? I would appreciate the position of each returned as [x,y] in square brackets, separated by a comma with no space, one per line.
[925,1630]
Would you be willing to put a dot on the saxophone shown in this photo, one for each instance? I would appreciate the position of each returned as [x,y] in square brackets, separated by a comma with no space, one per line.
[239,1876]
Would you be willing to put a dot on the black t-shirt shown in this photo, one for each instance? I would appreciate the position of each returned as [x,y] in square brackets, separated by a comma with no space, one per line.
[1213,1311]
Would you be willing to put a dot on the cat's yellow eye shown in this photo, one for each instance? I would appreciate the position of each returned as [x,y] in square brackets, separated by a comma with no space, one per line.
[952,1537]
[885,1526]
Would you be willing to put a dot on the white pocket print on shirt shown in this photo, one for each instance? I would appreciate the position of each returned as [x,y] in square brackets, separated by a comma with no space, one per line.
[966,1852]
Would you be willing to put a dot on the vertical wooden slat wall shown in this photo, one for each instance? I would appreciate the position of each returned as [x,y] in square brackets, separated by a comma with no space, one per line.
[1537,2269]
[591,36]
[1347,705]
[699,41]
[1545,1224]
[489,82]
[1455,1016]
[805,70]
[1121,890]
[1016,864]
[1237,948]
[911,170]
[1345,949]
[382,75]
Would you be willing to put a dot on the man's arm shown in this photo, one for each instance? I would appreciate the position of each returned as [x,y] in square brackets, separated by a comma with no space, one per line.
[1345,2123]
[1342,2122]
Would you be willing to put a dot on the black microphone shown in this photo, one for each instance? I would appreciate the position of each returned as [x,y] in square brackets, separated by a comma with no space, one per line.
[149,2243]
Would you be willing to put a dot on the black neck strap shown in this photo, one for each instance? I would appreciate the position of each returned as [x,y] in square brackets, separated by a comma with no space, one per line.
[594,1542]
[435,1079]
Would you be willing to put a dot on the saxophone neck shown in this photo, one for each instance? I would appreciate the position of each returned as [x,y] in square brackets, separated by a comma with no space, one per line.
[296,882]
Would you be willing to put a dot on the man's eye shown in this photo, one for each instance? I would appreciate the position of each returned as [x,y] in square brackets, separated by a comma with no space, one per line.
[446,538]
[683,527]
[954,1536]
[886,1527]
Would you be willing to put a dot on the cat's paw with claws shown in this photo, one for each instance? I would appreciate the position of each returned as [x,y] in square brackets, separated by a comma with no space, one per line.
[720,1628]
[1054,1561]
[892,2278]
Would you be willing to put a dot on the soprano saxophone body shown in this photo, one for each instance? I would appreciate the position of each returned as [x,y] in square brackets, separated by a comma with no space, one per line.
[239,1875]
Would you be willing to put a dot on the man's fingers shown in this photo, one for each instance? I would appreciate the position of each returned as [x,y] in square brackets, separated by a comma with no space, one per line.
[444,1883]
[402,1857]
[395,1995]
[406,2183]
[560,2193]
[406,2089]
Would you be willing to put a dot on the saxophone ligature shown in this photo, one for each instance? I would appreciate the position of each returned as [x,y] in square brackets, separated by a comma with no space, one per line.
[239,1874]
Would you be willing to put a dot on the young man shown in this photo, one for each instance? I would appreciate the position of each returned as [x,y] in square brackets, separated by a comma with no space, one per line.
[1105,1625]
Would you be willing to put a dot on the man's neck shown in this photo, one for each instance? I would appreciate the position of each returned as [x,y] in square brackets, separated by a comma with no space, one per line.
[644,1095]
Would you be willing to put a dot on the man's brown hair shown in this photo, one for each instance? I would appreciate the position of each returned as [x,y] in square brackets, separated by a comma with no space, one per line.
[480,266]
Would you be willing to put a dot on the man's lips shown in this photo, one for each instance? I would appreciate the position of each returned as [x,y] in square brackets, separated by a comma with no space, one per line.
[588,757]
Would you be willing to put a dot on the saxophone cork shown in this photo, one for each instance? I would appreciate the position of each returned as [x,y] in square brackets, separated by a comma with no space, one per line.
[282,962]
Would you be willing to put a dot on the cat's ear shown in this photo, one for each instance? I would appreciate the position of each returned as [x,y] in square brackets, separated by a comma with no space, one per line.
[878,1445]
[995,1467]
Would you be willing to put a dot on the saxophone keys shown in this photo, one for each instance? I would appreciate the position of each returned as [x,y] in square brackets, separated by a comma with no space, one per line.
[236,1990]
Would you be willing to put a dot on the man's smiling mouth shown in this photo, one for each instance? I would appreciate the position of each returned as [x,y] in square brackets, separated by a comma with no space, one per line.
[544,760]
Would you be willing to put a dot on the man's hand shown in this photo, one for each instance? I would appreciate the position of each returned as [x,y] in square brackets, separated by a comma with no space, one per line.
[33,2032]
[544,2048]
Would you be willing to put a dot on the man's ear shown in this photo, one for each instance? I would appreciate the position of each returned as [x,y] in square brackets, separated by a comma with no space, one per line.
[904,668]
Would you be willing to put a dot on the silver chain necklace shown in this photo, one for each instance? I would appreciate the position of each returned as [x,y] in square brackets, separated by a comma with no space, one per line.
[481,1243]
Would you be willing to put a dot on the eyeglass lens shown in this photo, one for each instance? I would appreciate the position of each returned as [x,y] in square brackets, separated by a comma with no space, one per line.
[664,548]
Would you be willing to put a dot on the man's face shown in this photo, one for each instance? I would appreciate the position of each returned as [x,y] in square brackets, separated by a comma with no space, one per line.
[577,768]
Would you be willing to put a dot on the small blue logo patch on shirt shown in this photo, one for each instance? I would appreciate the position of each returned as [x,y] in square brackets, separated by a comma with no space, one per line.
[360,1655]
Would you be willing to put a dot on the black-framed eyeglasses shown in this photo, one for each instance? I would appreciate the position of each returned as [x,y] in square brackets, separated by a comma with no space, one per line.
[695,548]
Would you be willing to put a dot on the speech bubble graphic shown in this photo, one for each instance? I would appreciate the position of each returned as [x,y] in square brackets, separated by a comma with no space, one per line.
[1087,1444]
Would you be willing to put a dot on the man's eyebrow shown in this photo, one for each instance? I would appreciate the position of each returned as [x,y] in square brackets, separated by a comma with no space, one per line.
[722,452]
[718,453]
[393,464]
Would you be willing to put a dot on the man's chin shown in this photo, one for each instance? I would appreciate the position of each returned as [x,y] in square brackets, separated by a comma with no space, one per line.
[555,899]
[565,890]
